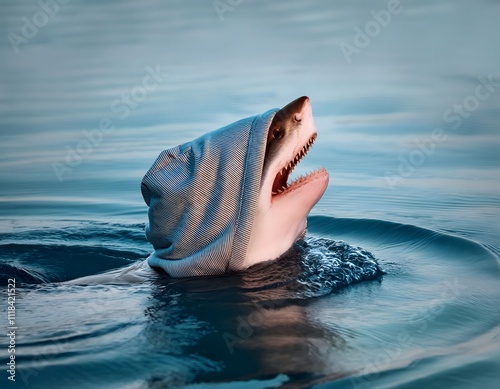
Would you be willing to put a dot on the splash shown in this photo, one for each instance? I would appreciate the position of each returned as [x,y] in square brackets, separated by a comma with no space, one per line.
[329,265]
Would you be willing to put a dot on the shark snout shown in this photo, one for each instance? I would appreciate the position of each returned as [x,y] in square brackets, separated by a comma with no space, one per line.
[298,109]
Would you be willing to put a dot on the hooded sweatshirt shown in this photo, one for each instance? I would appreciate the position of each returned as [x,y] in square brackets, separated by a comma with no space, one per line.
[202,198]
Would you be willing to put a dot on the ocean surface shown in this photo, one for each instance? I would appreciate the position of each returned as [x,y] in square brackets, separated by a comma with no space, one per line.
[397,284]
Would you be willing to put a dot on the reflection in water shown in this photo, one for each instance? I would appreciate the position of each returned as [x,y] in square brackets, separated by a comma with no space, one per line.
[256,325]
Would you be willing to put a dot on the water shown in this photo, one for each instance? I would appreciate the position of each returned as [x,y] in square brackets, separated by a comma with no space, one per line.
[422,203]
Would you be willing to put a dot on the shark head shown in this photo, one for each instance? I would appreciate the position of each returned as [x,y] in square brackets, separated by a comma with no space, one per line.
[283,204]
[225,201]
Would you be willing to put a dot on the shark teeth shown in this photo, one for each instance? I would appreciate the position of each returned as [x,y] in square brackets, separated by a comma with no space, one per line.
[288,168]
[283,188]
[307,176]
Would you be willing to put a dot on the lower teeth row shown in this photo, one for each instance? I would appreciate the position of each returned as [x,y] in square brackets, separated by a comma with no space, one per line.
[297,180]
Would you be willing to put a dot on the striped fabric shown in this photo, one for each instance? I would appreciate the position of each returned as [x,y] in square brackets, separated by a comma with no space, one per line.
[202,198]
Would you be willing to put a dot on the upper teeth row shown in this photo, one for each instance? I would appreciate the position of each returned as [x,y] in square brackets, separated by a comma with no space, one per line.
[295,161]
[299,156]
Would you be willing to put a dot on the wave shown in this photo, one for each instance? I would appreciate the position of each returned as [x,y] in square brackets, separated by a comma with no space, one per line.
[321,264]
[379,234]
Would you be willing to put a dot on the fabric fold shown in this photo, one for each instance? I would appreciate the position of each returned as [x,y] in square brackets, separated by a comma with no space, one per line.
[202,197]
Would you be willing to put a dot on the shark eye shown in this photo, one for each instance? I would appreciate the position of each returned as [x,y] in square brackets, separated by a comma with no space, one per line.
[277,133]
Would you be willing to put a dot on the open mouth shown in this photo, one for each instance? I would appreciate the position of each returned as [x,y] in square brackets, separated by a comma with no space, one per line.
[281,184]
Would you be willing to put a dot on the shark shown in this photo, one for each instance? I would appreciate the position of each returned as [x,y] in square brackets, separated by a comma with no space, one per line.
[283,204]
[226,200]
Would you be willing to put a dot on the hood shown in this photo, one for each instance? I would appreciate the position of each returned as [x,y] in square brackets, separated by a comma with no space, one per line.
[202,198]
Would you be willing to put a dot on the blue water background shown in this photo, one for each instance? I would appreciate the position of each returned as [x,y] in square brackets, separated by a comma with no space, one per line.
[429,213]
